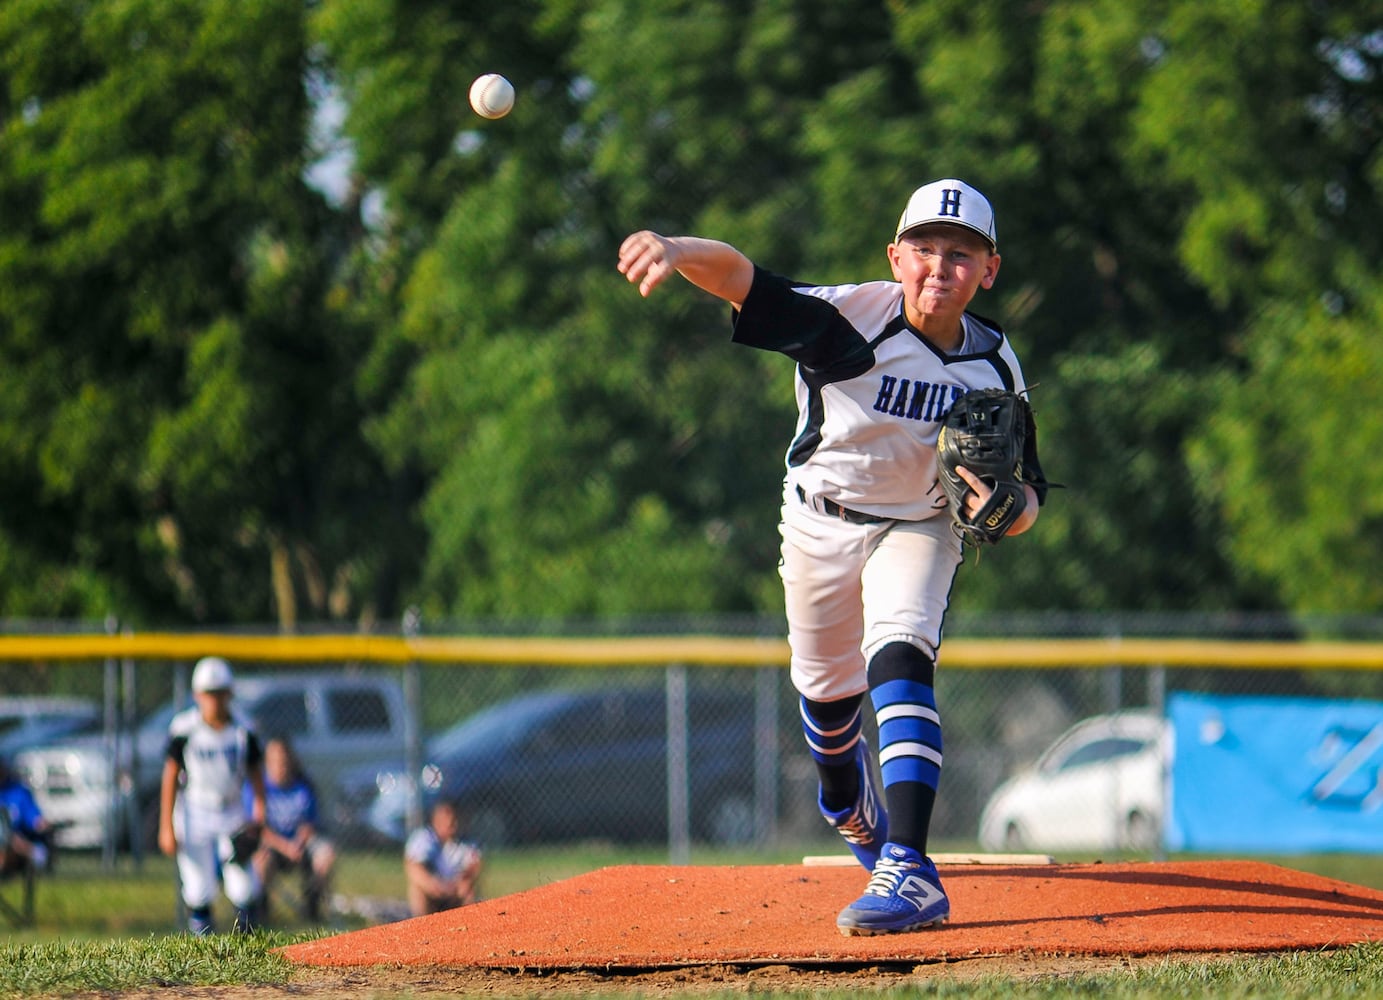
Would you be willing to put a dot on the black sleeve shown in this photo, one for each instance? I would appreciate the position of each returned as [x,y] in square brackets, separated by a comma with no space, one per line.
[810,330]
[254,753]
[176,747]
[1032,466]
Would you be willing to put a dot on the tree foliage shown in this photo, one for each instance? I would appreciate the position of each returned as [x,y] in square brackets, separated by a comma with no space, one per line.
[228,396]
[1291,454]
[182,436]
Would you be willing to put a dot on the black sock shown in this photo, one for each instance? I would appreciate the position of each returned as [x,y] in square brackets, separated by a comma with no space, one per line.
[910,813]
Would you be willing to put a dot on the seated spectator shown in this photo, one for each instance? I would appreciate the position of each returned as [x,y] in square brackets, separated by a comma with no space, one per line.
[290,837]
[24,833]
[443,870]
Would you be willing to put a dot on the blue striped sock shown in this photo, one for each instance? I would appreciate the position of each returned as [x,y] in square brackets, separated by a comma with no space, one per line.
[832,731]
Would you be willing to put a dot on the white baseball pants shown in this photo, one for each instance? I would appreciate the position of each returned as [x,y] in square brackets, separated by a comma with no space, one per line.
[203,847]
[851,589]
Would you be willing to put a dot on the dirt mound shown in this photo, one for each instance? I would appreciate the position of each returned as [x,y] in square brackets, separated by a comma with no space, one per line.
[654,917]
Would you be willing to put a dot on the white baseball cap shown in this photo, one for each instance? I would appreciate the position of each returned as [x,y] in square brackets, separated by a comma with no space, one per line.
[950,201]
[212,674]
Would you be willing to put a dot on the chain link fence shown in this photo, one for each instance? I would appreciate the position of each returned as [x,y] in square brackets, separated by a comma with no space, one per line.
[668,758]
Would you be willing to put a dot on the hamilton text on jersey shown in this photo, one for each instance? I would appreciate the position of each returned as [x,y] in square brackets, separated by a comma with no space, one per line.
[918,400]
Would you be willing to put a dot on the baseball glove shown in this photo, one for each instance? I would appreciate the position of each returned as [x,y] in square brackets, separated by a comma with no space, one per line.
[243,843]
[987,431]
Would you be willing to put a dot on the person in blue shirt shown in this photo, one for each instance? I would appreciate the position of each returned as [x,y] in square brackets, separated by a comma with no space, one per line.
[24,833]
[291,838]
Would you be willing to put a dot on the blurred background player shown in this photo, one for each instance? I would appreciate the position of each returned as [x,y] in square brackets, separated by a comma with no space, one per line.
[443,870]
[211,755]
[291,838]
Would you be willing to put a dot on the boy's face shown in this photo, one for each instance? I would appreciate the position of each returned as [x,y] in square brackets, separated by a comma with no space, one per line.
[445,822]
[214,705]
[941,267]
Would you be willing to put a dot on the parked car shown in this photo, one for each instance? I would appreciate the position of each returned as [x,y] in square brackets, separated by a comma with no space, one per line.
[1099,786]
[336,720]
[574,764]
[30,720]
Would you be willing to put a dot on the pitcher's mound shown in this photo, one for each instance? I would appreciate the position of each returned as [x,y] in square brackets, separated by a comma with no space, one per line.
[653,916]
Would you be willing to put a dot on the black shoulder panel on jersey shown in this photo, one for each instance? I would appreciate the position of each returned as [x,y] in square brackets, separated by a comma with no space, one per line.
[986,321]
[810,330]
[993,355]
[177,746]
[894,327]
[806,443]
[254,750]
[1002,369]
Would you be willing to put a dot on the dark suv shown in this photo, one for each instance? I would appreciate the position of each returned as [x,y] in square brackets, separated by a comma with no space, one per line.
[574,764]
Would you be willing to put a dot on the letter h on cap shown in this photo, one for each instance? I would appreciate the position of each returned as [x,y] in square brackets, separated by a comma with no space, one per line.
[950,202]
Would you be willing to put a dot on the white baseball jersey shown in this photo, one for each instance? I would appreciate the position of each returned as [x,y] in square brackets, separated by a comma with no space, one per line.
[216,762]
[871,391]
[445,859]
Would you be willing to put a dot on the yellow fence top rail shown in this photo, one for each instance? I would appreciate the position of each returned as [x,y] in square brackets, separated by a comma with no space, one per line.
[702,650]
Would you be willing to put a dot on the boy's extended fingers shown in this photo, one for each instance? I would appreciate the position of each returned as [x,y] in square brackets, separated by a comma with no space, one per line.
[643,261]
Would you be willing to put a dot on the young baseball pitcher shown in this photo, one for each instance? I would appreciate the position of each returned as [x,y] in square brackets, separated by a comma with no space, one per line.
[868,547]
[211,755]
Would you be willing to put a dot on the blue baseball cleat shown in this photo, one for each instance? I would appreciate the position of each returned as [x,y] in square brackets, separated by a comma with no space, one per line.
[904,894]
[199,922]
[865,824]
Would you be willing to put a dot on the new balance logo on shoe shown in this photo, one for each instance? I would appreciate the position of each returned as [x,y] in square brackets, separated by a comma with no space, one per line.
[919,892]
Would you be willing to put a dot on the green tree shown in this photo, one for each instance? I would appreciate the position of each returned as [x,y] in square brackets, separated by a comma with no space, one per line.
[1285,224]
[1188,158]
[589,453]
[224,396]
[181,424]
[586,453]
[1290,454]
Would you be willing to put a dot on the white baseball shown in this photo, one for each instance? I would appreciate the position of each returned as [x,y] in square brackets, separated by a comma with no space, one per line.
[492,96]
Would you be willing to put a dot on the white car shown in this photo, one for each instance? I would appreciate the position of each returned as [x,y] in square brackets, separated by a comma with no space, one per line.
[29,720]
[75,788]
[1099,787]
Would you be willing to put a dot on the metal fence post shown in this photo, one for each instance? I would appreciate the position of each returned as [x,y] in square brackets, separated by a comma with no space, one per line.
[1157,701]
[765,755]
[412,725]
[1112,681]
[678,768]
[110,739]
[128,769]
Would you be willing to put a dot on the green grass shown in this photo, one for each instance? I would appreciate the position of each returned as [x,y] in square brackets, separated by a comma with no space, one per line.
[61,968]
[114,930]
[1351,972]
[136,965]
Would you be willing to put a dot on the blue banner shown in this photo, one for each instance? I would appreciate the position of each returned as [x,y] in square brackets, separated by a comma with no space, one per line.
[1275,775]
